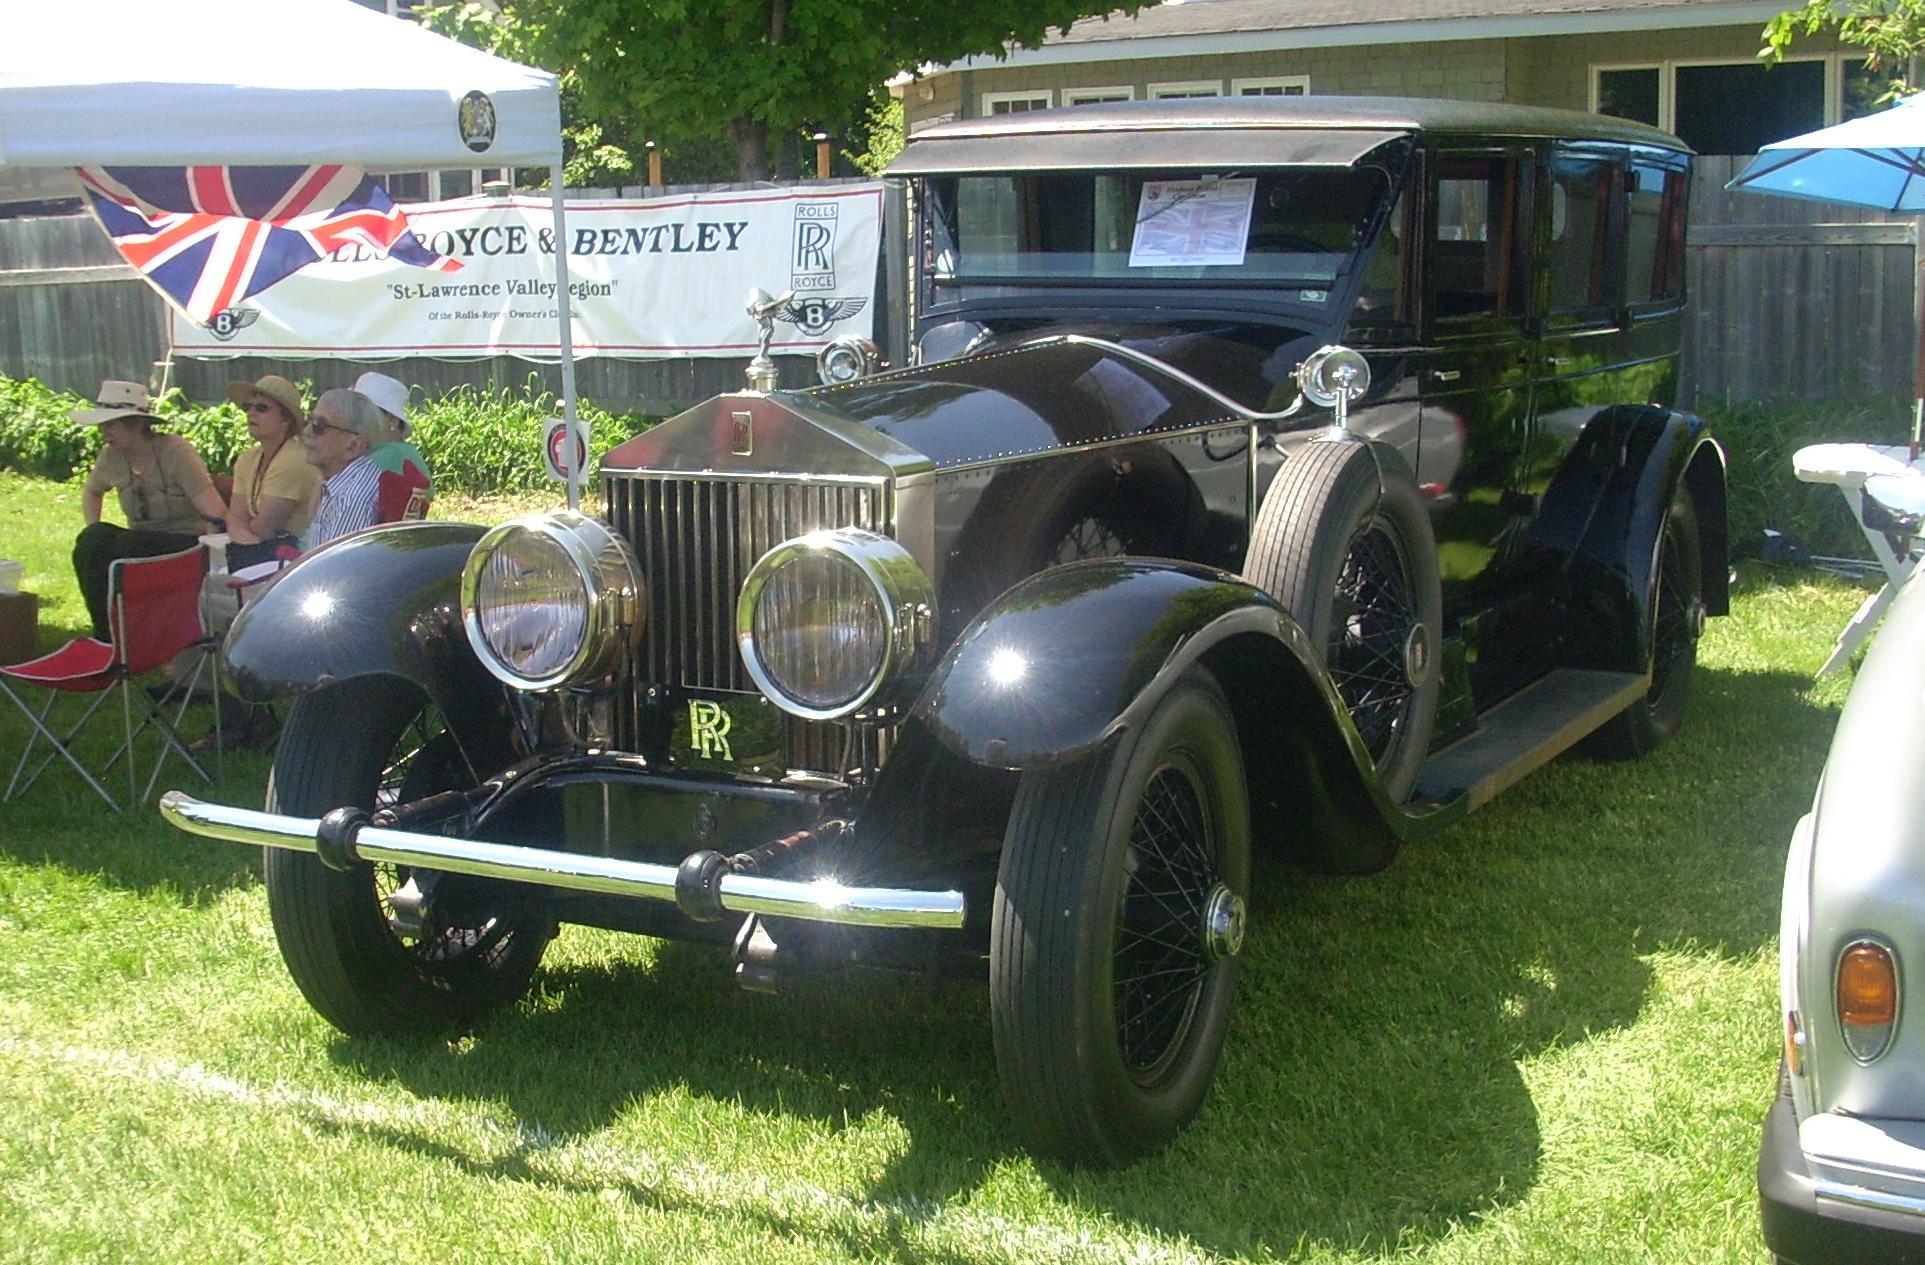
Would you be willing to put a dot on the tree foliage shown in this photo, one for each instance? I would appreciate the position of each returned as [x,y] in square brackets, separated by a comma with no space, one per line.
[1892,32]
[682,72]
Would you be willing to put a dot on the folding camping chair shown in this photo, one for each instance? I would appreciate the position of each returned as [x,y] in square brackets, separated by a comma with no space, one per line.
[154,614]
[1869,476]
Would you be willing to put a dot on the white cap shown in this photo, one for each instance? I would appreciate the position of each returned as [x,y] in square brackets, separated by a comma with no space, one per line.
[387,394]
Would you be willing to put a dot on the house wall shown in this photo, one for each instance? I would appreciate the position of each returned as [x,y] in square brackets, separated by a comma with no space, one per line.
[1543,70]
[1556,69]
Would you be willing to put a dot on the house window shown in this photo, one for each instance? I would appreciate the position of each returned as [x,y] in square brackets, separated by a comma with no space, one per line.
[1014,102]
[1860,89]
[1736,107]
[1630,92]
[1092,96]
[1193,88]
[1739,109]
[407,186]
[1275,86]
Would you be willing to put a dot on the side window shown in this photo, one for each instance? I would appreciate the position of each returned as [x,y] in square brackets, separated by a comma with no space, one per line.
[1381,297]
[1654,236]
[1477,261]
[1581,191]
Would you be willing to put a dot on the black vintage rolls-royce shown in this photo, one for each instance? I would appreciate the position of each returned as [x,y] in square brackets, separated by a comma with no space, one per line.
[1272,481]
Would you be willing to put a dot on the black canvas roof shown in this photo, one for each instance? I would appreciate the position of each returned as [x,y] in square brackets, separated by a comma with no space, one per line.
[1329,131]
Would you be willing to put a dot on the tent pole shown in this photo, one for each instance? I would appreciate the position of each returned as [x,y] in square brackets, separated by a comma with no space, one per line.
[1918,322]
[567,335]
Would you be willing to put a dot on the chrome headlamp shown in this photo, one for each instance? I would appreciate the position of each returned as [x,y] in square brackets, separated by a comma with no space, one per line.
[549,599]
[847,359]
[828,621]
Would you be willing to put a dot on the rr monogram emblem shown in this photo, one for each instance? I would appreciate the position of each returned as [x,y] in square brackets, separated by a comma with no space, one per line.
[708,730]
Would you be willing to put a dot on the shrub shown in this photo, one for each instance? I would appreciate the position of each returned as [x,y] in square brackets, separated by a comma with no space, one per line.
[1759,439]
[476,441]
[489,439]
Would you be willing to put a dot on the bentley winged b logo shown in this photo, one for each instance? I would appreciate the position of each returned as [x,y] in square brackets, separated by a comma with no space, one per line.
[230,321]
[814,315]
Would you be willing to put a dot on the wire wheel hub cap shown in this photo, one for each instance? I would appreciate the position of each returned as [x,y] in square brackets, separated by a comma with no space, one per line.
[1224,918]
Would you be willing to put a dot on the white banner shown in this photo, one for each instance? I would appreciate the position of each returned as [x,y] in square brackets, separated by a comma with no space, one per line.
[647,278]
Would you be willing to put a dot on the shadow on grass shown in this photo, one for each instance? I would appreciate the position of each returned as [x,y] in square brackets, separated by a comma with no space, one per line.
[1370,1095]
[61,822]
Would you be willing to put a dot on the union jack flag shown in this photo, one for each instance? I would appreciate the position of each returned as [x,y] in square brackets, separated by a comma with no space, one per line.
[209,237]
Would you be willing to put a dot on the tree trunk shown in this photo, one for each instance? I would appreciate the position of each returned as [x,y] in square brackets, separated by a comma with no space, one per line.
[751,139]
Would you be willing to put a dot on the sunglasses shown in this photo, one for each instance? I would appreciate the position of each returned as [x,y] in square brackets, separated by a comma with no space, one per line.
[316,426]
[260,406]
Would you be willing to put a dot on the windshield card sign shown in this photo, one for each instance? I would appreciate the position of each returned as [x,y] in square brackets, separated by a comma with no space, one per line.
[1187,222]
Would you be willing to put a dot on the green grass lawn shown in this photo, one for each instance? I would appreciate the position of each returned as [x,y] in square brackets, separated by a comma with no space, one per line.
[1547,1035]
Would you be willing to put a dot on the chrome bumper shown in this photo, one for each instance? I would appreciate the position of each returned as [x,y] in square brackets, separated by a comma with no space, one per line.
[699,885]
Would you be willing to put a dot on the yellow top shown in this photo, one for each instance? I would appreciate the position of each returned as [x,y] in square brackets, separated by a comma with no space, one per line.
[290,475]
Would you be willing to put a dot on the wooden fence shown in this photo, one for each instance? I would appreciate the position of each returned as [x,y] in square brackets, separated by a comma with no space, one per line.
[1792,299]
[1789,299]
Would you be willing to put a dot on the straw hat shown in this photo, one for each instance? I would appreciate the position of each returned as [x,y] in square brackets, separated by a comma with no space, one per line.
[119,402]
[275,388]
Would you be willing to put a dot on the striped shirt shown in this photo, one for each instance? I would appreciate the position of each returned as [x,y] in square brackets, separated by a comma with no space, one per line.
[347,502]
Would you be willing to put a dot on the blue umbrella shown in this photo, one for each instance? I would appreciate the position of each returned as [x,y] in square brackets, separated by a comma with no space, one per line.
[1877,161]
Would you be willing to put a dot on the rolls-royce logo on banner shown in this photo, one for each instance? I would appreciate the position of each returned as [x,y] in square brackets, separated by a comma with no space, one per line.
[814,316]
[812,269]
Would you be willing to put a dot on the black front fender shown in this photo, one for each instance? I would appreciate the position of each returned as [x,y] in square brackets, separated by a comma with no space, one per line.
[378,603]
[1067,659]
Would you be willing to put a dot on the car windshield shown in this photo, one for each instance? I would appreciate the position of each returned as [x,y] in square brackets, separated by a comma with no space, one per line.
[1259,227]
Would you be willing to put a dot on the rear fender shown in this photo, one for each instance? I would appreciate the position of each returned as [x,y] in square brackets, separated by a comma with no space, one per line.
[378,603]
[1605,511]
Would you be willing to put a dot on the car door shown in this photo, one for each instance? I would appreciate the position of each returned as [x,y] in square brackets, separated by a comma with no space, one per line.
[1580,361]
[1475,382]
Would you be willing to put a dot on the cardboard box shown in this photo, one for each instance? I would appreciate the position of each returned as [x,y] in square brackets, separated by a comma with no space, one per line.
[19,627]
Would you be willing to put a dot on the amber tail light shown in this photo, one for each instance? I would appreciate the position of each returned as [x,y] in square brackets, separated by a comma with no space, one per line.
[1867,995]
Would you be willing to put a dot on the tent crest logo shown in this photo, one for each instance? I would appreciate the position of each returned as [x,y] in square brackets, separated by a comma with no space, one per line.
[476,118]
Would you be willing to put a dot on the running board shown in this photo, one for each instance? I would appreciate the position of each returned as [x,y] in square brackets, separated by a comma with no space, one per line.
[1529,729]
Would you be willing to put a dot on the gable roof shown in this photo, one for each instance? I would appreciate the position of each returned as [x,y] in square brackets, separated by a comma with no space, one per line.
[1199,27]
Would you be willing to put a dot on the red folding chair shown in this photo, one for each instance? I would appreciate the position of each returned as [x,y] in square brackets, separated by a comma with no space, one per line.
[154,613]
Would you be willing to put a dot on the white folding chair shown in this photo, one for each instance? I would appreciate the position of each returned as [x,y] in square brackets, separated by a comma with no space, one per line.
[1888,476]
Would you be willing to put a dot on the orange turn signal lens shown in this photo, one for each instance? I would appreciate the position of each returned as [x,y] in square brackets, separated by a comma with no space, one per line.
[1867,996]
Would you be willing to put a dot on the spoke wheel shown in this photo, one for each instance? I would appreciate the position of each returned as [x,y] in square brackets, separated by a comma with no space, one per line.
[357,942]
[1342,541]
[1118,917]
[1675,609]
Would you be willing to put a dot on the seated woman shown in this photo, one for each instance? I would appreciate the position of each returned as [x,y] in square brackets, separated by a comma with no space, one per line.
[275,486]
[163,486]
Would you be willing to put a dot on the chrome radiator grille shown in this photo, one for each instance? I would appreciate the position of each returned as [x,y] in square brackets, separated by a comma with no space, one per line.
[696,537]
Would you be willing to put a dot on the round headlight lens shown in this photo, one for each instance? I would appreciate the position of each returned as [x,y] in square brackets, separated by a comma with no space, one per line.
[820,631]
[545,598]
[826,620]
[532,606]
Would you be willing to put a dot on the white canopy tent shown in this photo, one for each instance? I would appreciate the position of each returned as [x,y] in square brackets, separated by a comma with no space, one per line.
[266,83]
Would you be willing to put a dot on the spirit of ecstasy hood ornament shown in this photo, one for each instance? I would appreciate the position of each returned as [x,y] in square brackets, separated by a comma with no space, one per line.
[761,370]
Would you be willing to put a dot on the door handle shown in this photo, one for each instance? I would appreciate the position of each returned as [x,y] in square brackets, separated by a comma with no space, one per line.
[1445,375]
[1558,362]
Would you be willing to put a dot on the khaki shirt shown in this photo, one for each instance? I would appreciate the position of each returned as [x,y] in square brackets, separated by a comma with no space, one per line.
[163,498]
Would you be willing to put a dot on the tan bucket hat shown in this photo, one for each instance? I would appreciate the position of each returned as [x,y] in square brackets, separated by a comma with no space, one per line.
[275,388]
[118,402]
